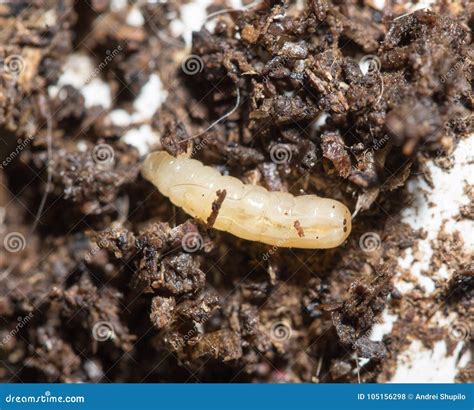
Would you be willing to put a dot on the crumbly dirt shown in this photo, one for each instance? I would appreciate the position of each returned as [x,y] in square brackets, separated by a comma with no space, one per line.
[102,279]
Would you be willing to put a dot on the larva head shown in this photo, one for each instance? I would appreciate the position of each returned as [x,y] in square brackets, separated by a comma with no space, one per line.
[322,223]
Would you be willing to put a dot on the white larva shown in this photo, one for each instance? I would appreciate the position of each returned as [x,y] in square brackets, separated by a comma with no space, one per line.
[248,211]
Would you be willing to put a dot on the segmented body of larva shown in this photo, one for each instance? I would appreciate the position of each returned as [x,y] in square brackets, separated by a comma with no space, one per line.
[248,211]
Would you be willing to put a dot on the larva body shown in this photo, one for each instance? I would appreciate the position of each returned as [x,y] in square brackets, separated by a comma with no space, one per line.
[248,211]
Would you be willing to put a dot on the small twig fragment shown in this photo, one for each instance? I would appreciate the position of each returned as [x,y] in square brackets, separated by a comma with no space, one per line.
[216,205]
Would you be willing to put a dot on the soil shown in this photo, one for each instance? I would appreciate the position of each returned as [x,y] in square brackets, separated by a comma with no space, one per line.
[102,285]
